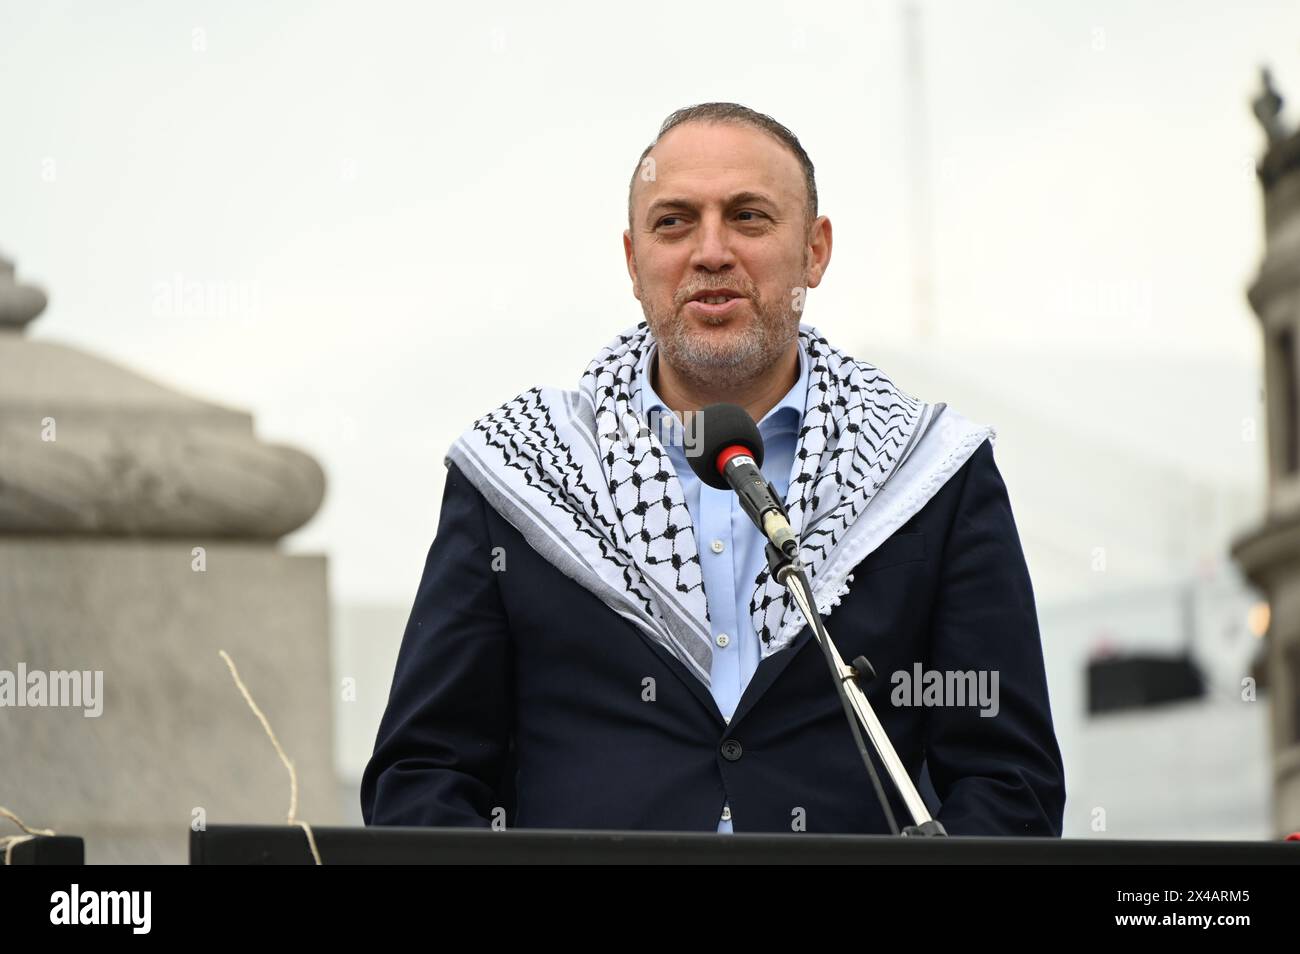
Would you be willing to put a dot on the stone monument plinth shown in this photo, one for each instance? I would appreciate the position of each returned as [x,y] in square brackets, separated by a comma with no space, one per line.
[138,531]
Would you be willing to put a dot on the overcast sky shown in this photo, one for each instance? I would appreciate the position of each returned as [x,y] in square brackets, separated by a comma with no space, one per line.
[402,216]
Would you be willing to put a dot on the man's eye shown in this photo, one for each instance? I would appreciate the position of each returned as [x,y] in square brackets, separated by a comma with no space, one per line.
[668,220]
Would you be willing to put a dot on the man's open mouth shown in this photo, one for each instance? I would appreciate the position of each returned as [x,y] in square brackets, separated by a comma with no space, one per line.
[715,296]
[716,305]
[714,302]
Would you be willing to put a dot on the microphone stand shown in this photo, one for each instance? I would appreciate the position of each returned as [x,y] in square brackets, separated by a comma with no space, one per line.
[790,572]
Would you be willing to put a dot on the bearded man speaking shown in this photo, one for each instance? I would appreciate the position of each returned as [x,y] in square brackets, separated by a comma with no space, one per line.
[598,642]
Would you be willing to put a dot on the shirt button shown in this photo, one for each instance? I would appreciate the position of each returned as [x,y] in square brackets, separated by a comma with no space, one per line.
[726,813]
[723,639]
[717,546]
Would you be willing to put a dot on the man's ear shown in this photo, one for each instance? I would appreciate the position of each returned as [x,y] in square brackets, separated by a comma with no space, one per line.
[819,251]
[631,263]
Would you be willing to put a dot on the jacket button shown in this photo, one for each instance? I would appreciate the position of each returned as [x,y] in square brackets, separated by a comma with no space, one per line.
[731,750]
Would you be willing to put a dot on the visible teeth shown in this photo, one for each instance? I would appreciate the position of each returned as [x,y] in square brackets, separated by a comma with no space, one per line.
[717,300]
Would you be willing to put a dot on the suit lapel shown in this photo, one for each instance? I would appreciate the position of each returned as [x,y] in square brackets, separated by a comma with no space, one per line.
[692,682]
[766,674]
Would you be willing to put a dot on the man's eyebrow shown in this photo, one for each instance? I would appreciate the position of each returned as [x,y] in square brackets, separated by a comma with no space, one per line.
[738,198]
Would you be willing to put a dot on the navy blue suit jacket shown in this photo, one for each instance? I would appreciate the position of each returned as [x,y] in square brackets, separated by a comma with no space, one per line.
[519,690]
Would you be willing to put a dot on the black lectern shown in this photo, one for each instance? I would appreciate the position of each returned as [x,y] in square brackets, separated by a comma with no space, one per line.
[48,850]
[286,845]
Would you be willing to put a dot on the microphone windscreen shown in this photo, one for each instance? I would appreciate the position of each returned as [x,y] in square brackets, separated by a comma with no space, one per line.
[721,426]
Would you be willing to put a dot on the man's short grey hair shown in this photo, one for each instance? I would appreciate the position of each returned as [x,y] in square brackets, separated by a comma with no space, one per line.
[738,115]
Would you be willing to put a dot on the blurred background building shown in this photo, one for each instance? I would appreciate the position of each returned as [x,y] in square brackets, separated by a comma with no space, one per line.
[1271,553]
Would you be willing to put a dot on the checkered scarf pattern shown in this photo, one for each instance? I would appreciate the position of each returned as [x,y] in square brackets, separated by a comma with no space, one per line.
[591,487]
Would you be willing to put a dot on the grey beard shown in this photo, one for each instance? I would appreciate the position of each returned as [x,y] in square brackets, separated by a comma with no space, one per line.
[762,345]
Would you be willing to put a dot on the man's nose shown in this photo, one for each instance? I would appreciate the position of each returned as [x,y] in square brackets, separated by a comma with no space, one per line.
[713,249]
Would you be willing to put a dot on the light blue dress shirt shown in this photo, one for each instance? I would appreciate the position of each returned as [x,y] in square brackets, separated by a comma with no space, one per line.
[731,547]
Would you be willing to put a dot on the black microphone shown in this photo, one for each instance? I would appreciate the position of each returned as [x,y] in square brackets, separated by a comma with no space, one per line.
[730,455]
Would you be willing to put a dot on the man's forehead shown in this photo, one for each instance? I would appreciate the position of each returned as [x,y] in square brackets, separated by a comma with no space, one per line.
[715,160]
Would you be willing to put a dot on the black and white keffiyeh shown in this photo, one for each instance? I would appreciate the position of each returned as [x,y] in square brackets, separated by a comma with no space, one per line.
[590,486]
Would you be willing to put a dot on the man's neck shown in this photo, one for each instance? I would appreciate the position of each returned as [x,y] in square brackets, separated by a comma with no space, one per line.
[757,397]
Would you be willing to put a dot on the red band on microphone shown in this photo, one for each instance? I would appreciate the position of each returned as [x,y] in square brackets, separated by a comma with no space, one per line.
[735,450]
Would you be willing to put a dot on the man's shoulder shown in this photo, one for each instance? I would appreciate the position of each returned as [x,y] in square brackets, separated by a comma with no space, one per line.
[982,467]
[982,459]
[538,399]
[517,432]
[975,474]
[521,401]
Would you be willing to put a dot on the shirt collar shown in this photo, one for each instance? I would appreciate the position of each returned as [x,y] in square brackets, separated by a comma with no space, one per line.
[786,415]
